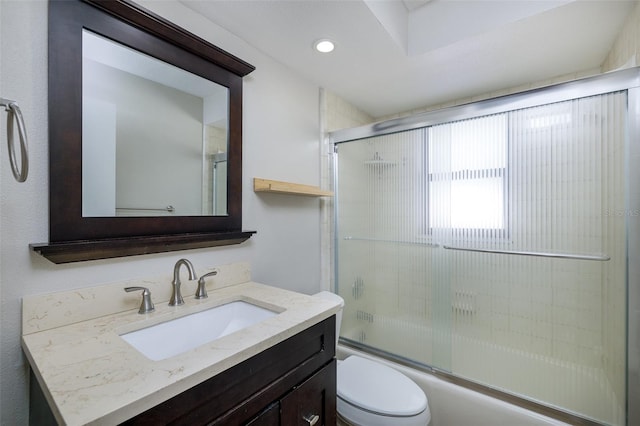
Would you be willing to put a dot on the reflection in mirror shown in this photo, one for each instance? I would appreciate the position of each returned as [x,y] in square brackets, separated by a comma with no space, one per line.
[219,181]
[154,137]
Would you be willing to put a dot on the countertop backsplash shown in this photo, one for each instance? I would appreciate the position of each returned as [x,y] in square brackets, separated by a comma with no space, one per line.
[46,311]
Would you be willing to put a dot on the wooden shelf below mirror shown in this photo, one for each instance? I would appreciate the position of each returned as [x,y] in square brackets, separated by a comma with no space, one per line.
[76,251]
[279,187]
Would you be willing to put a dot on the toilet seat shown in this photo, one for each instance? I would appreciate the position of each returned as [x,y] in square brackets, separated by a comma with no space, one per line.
[378,389]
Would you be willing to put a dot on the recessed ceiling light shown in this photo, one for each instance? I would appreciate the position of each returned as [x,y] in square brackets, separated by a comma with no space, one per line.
[324,46]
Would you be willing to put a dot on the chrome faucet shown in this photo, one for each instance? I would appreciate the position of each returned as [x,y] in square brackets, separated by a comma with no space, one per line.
[176,295]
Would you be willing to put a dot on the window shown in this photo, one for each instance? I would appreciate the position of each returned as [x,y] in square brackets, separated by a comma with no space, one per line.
[467,163]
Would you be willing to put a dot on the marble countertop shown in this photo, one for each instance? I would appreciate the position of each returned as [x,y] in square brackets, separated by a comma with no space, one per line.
[90,375]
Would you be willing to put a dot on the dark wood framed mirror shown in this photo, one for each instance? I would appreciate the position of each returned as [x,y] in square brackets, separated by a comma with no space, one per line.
[78,232]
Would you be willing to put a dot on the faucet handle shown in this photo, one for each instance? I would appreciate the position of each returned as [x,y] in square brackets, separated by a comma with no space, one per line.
[201,292]
[147,305]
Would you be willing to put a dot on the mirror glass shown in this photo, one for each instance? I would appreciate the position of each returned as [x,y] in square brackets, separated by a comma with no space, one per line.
[154,136]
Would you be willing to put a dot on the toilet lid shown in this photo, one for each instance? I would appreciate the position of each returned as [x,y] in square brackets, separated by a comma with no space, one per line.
[378,388]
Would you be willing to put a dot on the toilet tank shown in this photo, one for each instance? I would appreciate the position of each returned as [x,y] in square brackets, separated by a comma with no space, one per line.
[334,297]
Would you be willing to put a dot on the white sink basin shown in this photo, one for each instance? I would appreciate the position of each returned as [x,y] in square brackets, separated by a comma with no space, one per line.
[180,335]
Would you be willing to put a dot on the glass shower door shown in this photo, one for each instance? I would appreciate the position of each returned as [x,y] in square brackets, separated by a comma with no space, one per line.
[386,270]
[494,248]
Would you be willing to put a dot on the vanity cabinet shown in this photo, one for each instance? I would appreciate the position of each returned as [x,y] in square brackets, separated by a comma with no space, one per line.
[308,404]
[291,383]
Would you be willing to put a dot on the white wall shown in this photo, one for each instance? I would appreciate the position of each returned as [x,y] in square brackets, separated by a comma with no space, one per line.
[280,142]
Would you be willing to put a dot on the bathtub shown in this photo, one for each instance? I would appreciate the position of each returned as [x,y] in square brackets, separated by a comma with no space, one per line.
[453,405]
[570,387]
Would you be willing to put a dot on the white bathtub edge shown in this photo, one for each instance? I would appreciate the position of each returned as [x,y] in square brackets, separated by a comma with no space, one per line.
[453,405]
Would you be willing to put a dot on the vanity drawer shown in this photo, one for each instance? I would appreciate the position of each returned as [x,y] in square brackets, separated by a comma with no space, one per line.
[239,394]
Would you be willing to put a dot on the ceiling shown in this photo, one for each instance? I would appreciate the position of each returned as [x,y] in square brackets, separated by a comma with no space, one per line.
[392,56]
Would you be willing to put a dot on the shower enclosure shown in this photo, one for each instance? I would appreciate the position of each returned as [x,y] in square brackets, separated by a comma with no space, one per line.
[496,243]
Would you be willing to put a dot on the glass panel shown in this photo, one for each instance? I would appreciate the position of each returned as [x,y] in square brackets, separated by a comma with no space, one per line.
[547,179]
[385,272]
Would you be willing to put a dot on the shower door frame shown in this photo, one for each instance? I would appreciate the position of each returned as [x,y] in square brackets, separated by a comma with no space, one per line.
[625,80]
[633,256]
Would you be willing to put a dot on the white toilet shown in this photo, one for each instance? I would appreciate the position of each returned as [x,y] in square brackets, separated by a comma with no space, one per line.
[372,394]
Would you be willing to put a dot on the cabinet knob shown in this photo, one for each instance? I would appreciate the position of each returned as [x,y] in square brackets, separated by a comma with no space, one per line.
[311,419]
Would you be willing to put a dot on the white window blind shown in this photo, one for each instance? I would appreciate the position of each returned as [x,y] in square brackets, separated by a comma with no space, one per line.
[466,165]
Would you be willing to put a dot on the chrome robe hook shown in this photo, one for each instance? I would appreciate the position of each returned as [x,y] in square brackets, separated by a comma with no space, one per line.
[12,108]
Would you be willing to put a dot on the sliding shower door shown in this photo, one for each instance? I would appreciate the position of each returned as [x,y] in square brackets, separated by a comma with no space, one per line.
[494,248]
[386,263]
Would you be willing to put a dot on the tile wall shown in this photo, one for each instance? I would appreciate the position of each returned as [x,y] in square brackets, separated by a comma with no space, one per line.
[626,49]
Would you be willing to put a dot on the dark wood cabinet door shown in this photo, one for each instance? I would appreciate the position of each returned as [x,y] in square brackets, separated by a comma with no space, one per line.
[269,417]
[313,403]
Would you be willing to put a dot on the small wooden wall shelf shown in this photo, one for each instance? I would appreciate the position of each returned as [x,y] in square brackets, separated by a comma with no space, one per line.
[279,187]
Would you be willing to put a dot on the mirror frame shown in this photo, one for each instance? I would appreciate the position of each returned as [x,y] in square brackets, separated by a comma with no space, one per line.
[73,237]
